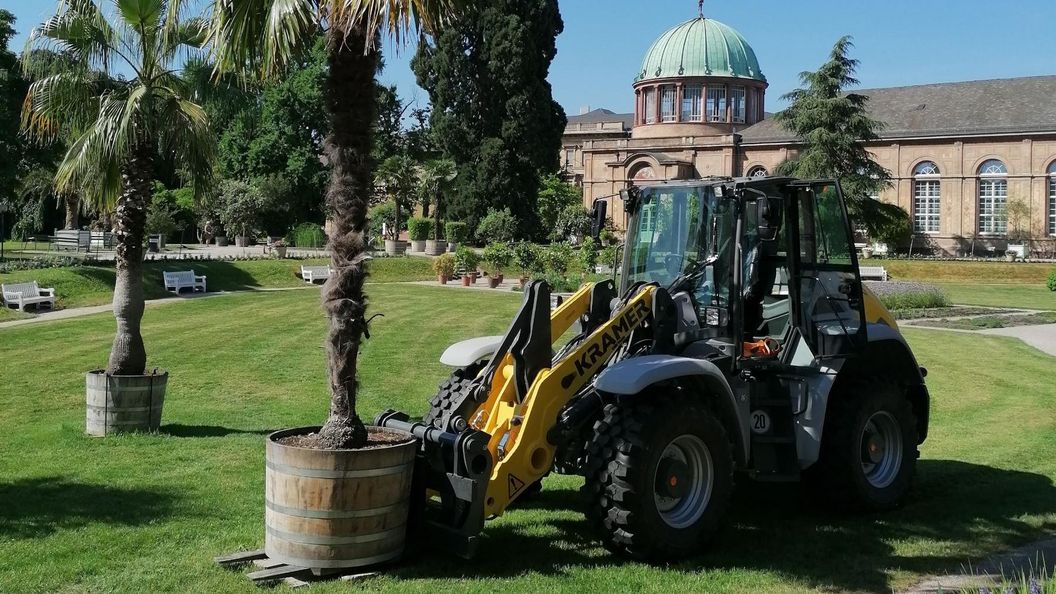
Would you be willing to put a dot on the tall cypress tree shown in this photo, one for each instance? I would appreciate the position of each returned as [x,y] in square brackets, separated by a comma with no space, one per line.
[834,126]
[493,110]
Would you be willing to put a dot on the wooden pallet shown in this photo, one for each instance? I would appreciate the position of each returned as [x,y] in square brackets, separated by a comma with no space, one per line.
[270,570]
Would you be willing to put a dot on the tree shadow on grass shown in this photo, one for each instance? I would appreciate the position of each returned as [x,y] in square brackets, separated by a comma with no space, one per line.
[969,509]
[178,430]
[38,507]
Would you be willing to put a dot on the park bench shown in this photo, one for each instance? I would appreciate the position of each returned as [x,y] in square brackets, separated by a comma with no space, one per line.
[102,240]
[874,273]
[186,279]
[310,274]
[22,294]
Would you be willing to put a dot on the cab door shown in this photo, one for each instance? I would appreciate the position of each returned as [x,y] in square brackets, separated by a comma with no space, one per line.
[828,306]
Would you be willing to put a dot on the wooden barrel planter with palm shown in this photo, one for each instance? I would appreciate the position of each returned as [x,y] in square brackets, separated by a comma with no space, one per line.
[329,510]
[123,403]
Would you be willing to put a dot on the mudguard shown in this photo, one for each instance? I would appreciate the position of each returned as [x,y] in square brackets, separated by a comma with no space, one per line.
[888,351]
[634,375]
[468,352]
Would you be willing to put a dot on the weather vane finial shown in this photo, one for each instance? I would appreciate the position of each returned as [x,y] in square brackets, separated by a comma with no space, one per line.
[700,8]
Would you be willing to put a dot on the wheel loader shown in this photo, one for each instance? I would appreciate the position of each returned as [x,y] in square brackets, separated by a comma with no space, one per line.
[736,340]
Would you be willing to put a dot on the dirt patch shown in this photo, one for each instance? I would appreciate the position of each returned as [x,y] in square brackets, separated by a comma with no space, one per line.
[990,322]
[376,438]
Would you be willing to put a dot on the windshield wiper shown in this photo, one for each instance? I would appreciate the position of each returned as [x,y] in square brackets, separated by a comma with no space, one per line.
[693,273]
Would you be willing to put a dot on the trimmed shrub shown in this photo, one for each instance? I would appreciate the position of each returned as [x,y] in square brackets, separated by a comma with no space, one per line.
[560,283]
[908,295]
[418,228]
[588,256]
[607,256]
[497,258]
[455,231]
[1051,283]
[558,258]
[526,257]
[574,223]
[39,263]
[497,226]
[444,265]
[307,235]
[466,259]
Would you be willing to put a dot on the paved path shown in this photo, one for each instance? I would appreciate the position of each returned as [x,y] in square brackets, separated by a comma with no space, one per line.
[80,312]
[1041,337]
[1033,559]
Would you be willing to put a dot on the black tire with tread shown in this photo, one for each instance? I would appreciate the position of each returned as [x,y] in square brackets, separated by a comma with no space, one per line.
[449,391]
[837,478]
[620,466]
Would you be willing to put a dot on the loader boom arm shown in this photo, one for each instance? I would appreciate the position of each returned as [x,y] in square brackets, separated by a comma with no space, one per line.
[519,444]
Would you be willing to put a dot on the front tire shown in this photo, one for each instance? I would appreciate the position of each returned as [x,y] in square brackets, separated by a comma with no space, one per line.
[869,448]
[659,477]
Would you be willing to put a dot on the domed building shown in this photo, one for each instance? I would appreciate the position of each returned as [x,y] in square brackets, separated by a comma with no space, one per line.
[959,153]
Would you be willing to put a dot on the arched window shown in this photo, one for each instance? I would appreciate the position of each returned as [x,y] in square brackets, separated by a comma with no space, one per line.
[758,171]
[993,195]
[927,198]
[1052,199]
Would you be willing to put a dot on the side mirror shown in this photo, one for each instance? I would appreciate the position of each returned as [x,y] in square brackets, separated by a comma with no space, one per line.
[598,215]
[768,211]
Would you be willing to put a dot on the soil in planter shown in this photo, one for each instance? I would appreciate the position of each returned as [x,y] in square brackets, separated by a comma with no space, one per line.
[376,438]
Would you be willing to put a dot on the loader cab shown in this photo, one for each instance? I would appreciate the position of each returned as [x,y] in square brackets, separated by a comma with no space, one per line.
[749,260]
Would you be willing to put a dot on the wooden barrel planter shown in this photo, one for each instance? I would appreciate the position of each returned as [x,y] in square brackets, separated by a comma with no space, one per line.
[329,510]
[122,403]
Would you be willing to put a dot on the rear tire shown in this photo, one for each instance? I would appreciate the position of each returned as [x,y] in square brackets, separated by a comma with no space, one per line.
[659,477]
[869,448]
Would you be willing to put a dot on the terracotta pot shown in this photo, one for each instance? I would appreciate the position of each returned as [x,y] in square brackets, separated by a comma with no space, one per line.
[466,281]
[524,281]
[473,277]
[441,279]
[494,281]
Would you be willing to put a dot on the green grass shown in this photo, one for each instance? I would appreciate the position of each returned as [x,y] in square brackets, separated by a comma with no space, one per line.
[93,285]
[1009,295]
[953,272]
[148,512]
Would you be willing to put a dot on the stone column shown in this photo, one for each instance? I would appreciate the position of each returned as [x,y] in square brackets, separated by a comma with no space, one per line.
[679,90]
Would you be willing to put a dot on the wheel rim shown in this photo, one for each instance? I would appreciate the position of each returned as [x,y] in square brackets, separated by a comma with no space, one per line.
[881,449]
[683,481]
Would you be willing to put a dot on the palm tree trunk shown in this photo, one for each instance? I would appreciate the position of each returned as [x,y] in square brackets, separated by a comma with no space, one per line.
[436,217]
[352,105]
[128,356]
[72,202]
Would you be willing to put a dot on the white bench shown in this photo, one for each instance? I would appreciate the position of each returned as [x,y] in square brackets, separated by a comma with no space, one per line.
[23,294]
[310,274]
[875,273]
[186,279]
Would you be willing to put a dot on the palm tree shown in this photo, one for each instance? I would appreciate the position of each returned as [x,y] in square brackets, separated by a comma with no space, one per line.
[266,36]
[436,178]
[398,175]
[118,127]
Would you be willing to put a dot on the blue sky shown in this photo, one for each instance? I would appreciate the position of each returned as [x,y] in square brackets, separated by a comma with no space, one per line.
[899,42]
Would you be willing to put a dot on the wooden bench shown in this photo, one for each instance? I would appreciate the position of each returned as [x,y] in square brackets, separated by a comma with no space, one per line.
[22,294]
[186,279]
[71,240]
[874,273]
[310,274]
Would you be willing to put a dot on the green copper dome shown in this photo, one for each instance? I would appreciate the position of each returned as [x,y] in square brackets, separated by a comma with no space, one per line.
[700,47]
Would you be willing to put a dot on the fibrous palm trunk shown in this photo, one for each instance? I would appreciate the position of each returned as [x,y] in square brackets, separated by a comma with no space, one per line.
[436,217]
[352,105]
[72,202]
[128,356]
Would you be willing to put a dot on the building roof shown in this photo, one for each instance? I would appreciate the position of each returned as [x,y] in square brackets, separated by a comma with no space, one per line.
[602,115]
[1005,106]
[700,47]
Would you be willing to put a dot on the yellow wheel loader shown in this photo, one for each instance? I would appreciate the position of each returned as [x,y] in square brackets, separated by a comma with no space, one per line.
[738,339]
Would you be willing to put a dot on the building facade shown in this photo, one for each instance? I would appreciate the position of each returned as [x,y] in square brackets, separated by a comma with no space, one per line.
[971,162]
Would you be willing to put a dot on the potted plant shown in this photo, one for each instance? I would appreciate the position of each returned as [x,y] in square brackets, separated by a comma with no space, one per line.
[356,480]
[466,260]
[239,205]
[444,267]
[418,229]
[455,231]
[168,132]
[526,258]
[497,257]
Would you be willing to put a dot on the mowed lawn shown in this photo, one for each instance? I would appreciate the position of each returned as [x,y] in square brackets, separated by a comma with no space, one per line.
[147,513]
